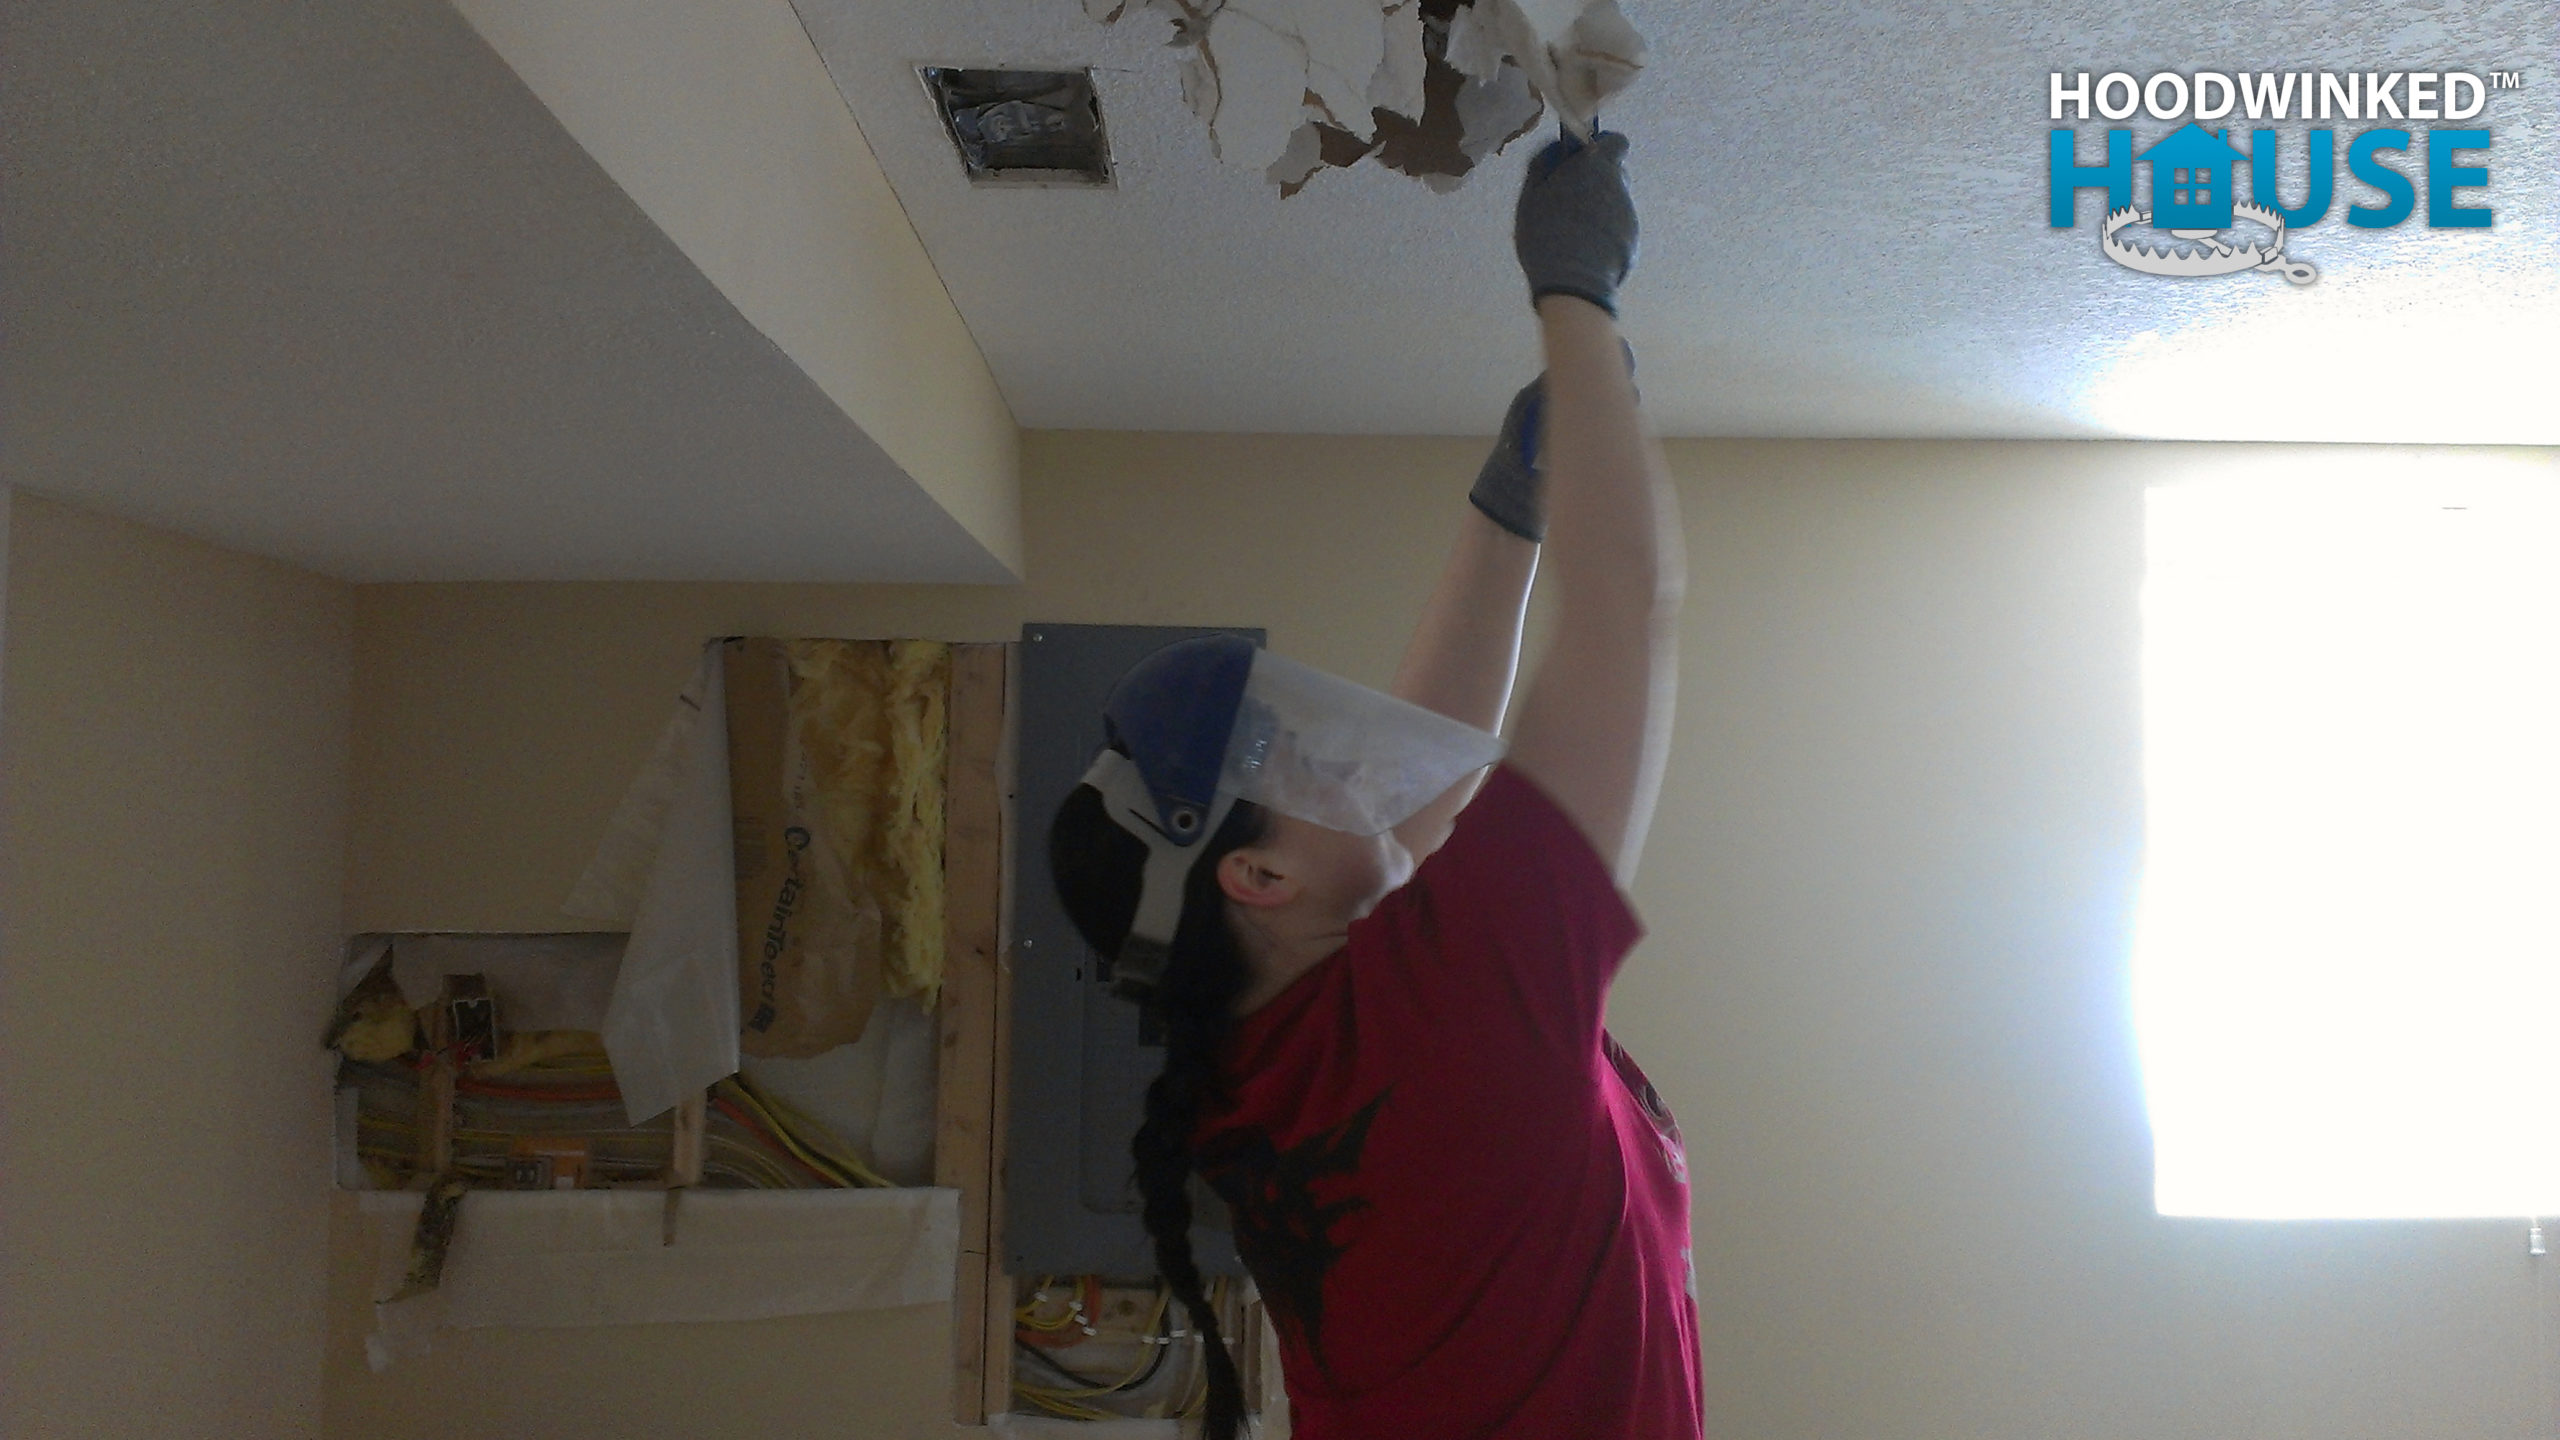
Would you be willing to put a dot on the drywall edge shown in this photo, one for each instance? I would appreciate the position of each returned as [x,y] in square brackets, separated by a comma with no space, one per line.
[722,124]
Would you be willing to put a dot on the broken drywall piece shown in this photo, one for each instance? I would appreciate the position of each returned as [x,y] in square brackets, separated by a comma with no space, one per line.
[1492,114]
[1432,148]
[1303,158]
[1429,87]
[1345,42]
[1262,87]
[1397,86]
[1199,86]
[1578,53]
[1476,47]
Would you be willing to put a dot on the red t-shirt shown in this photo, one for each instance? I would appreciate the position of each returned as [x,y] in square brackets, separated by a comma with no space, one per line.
[1464,1205]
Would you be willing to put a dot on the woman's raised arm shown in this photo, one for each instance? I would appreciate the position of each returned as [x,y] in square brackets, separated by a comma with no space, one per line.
[1467,649]
[1596,722]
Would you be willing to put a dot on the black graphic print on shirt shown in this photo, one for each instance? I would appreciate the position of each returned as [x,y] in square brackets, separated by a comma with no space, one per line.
[1286,1204]
[1666,1129]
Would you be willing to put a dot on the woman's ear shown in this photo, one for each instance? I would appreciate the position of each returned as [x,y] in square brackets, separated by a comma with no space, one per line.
[1250,875]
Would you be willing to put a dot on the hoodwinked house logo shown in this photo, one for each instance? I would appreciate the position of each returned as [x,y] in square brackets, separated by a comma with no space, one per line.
[2199,221]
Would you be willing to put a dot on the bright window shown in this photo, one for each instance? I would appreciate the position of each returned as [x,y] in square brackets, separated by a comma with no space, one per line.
[2347,964]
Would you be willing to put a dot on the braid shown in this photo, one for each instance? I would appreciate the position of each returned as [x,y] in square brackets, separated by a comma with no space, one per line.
[1196,1002]
[1096,870]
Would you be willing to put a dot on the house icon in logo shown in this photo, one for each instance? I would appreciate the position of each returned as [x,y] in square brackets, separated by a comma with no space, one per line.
[2191,181]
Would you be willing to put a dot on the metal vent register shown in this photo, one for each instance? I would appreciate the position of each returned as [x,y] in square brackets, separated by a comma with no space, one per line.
[1022,126]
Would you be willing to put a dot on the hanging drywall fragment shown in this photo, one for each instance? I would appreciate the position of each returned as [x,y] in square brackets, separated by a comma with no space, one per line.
[1385,77]
[1262,87]
[1337,149]
[1397,85]
[1492,114]
[1346,41]
[1435,149]
[1303,158]
[1199,84]
[1577,53]
[1475,46]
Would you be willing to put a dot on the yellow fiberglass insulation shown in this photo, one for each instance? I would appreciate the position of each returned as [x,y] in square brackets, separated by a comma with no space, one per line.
[870,717]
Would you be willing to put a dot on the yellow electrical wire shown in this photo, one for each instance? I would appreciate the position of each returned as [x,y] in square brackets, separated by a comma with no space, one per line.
[781,1133]
[1027,1314]
[1063,1409]
[388,1139]
[1068,1402]
[802,1135]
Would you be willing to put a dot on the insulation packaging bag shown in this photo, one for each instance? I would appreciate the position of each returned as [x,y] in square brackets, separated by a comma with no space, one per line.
[778,860]
[809,942]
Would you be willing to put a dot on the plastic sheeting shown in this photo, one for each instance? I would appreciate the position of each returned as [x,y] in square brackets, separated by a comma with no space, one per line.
[600,1257]
[667,871]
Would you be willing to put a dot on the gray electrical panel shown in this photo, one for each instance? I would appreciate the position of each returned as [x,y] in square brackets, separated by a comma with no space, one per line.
[1081,1063]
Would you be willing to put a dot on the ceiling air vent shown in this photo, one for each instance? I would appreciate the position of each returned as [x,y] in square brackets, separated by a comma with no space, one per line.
[1022,127]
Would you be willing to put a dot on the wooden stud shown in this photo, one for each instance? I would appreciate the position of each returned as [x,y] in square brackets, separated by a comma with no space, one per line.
[1270,1396]
[685,1137]
[1001,1287]
[1248,1342]
[971,1017]
[435,1099]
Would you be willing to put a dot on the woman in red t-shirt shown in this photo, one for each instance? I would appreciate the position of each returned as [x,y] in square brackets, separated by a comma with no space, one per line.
[1381,973]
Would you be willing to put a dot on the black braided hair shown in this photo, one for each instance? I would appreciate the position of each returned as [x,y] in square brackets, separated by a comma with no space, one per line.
[1097,866]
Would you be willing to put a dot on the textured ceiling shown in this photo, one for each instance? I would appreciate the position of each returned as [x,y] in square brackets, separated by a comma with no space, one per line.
[1845,236]
[326,282]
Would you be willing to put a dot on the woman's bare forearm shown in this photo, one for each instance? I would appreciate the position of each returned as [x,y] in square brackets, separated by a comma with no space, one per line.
[1466,650]
[1595,724]
[1465,653]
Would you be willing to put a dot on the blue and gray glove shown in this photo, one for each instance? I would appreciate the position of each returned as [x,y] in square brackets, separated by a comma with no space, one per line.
[1575,226]
[1511,489]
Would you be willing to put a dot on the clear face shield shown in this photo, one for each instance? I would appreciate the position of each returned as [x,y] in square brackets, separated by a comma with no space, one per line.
[1208,722]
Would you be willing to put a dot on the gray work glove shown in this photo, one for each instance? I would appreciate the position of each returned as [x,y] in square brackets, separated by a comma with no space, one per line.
[1575,226]
[1511,488]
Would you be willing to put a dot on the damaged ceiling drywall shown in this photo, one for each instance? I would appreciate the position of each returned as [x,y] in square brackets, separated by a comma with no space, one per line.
[1428,88]
[1845,234]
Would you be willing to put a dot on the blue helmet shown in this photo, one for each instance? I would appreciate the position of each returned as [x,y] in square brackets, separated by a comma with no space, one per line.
[1204,723]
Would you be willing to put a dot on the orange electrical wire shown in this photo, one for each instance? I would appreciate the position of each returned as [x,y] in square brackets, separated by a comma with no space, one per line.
[737,1113]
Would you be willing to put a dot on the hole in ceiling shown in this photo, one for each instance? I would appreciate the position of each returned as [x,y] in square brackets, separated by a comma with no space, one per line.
[1022,126]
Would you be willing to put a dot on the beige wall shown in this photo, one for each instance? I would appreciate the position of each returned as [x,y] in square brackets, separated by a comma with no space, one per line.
[720,121]
[176,727]
[497,724]
[1885,987]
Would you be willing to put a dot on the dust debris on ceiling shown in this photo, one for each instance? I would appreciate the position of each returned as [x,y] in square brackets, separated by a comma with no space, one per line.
[1428,88]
